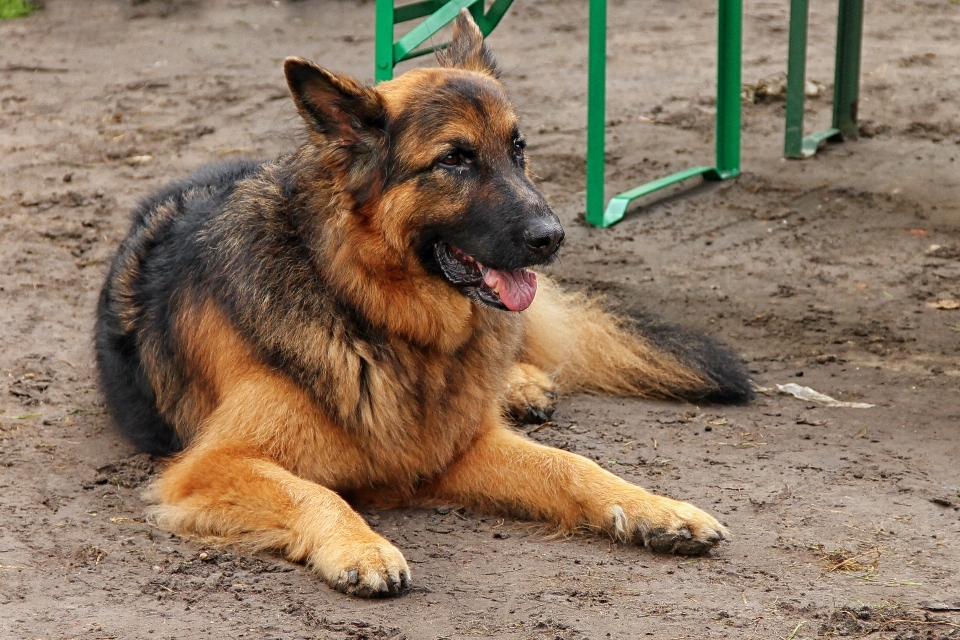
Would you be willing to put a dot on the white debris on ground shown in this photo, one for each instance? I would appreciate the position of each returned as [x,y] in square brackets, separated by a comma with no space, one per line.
[811,395]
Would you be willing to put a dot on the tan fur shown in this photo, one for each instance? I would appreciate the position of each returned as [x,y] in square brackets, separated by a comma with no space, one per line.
[584,348]
[266,466]
[505,472]
[269,456]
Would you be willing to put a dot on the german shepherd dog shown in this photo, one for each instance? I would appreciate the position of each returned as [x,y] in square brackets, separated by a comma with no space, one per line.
[354,322]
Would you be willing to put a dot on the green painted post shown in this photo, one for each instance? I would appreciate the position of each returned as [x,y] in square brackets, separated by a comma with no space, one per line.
[796,78]
[406,47]
[729,53]
[383,45]
[493,15]
[476,10]
[846,86]
[596,111]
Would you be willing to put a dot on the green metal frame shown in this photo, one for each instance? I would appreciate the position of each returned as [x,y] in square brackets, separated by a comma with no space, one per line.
[438,13]
[846,84]
[729,48]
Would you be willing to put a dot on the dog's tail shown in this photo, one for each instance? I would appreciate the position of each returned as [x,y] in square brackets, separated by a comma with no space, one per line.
[585,348]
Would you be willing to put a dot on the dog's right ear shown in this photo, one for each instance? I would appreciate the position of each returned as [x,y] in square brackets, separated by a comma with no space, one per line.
[335,106]
[467,49]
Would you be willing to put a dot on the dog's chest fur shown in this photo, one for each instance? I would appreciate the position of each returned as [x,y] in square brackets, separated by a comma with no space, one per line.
[407,409]
[404,412]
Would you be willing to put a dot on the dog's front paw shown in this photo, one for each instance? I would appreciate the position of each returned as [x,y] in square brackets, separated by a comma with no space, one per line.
[530,396]
[368,569]
[666,526]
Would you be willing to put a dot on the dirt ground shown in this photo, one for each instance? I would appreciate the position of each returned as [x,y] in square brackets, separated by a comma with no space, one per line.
[824,273]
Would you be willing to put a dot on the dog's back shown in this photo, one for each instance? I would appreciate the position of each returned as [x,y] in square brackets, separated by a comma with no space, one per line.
[149,267]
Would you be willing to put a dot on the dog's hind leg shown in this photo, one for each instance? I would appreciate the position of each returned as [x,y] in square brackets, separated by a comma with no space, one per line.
[585,348]
[503,472]
[235,495]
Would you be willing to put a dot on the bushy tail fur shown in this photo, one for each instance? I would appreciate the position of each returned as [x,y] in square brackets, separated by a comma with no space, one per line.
[585,348]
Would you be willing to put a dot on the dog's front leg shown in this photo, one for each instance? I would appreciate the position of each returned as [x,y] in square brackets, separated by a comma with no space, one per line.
[504,472]
[234,494]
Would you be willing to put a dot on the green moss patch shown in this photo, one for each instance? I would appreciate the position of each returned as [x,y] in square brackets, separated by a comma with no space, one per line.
[16,8]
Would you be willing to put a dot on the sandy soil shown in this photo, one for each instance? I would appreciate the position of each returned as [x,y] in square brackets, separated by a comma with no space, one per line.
[820,272]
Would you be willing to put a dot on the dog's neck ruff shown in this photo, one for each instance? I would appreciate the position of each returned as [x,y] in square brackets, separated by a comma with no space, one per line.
[511,290]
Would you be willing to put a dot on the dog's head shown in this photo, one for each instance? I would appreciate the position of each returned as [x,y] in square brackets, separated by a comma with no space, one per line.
[435,161]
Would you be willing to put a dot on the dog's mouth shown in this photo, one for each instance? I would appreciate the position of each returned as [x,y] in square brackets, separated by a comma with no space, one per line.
[510,290]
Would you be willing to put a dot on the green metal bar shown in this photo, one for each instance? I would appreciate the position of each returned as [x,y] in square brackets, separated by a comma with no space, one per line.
[846,86]
[416,10]
[596,113]
[491,19]
[424,51]
[812,142]
[617,206]
[420,33]
[796,79]
[383,45]
[439,12]
[846,78]
[729,53]
[487,23]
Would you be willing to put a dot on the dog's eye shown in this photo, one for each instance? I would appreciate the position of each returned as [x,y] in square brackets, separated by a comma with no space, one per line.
[518,146]
[452,159]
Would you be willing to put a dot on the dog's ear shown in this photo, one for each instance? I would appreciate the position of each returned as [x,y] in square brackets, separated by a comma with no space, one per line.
[467,50]
[336,106]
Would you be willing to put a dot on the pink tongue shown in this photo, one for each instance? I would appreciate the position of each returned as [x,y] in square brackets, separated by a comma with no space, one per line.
[516,288]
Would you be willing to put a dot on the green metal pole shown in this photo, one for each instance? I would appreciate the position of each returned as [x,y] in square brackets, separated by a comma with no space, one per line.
[476,10]
[596,110]
[383,46]
[846,86]
[729,52]
[493,15]
[796,78]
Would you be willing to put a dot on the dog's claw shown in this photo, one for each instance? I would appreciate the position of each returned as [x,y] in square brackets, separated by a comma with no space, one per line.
[398,583]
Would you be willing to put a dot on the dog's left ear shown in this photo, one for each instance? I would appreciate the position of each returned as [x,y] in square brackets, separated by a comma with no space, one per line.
[336,106]
[467,50]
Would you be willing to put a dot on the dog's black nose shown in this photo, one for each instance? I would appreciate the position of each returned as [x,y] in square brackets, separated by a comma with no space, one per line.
[543,238]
